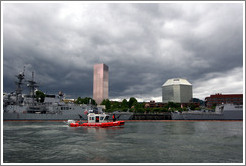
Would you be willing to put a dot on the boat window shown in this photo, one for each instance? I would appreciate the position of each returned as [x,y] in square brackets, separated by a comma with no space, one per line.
[97,118]
[106,118]
[92,118]
[101,118]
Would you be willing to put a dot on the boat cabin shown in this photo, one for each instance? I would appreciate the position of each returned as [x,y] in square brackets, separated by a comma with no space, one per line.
[97,118]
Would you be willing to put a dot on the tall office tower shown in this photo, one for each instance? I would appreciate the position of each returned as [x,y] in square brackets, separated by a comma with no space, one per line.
[176,90]
[100,83]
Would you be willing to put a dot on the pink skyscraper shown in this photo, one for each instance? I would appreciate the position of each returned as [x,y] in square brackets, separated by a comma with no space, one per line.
[100,83]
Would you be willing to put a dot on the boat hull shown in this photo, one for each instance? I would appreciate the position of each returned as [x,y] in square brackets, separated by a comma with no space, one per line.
[105,124]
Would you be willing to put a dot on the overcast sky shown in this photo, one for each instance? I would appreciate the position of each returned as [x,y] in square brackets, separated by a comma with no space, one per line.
[143,44]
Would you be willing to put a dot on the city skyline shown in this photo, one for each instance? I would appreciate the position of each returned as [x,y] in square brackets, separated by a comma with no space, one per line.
[142,43]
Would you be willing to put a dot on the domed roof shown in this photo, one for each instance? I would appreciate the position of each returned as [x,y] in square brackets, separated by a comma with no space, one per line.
[176,81]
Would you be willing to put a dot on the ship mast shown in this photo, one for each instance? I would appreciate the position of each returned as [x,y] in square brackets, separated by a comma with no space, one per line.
[32,85]
[18,90]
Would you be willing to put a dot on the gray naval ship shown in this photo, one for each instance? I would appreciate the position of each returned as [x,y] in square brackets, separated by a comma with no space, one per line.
[17,106]
[222,112]
[121,115]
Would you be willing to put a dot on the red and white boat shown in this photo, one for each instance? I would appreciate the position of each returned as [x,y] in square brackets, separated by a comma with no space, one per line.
[96,120]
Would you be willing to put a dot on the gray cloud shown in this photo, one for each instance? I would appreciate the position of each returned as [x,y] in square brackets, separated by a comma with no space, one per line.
[143,45]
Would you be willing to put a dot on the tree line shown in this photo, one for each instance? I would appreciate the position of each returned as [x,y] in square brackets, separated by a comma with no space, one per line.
[139,107]
[132,105]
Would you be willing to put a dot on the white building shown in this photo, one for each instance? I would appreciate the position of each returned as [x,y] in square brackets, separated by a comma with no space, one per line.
[176,90]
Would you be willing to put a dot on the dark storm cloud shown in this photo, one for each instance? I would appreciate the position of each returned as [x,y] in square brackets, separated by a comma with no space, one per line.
[143,45]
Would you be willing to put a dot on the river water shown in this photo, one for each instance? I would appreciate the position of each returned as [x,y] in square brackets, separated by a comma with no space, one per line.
[135,142]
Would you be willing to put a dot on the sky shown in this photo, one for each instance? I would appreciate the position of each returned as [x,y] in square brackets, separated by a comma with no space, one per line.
[144,45]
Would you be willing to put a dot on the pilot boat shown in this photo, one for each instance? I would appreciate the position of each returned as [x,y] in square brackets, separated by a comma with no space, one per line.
[96,120]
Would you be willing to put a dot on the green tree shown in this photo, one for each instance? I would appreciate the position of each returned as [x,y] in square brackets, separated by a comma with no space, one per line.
[131,101]
[86,100]
[156,110]
[140,110]
[40,96]
[184,109]
[89,100]
[78,101]
[115,105]
[124,104]
[136,106]
[164,110]
[107,104]
[148,110]
[214,106]
[192,106]
[172,105]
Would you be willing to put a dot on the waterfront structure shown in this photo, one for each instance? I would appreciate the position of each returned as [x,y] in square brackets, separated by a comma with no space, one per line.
[100,83]
[153,104]
[220,98]
[176,90]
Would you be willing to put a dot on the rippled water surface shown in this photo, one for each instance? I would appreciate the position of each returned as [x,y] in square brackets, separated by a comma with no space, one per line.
[135,142]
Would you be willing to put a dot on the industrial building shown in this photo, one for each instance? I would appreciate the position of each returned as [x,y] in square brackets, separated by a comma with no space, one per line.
[153,104]
[176,90]
[100,83]
[220,98]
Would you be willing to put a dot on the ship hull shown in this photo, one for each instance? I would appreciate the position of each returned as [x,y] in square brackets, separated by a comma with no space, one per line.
[228,115]
[65,116]
[26,116]
[121,115]
[51,113]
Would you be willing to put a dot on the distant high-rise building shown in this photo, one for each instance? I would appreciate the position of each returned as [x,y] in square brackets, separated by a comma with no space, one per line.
[100,83]
[176,90]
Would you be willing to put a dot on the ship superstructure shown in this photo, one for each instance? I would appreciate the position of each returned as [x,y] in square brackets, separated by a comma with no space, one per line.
[18,106]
